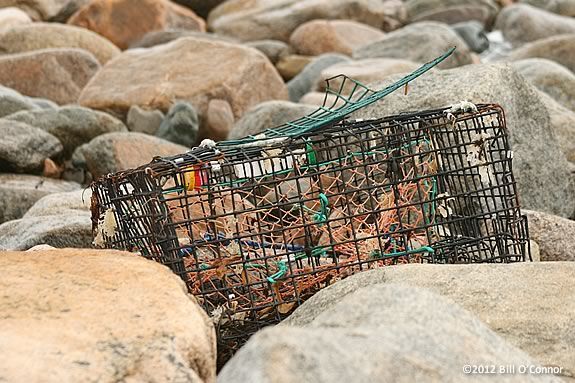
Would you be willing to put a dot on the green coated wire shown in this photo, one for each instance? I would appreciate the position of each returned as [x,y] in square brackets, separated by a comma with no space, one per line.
[324,116]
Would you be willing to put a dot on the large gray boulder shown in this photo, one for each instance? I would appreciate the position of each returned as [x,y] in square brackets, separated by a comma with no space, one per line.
[381,333]
[522,23]
[18,192]
[76,202]
[58,219]
[72,125]
[419,42]
[549,77]
[563,124]
[266,115]
[539,166]
[55,230]
[24,148]
[531,305]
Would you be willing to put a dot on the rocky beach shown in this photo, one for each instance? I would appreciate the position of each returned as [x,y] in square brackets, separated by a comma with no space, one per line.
[93,87]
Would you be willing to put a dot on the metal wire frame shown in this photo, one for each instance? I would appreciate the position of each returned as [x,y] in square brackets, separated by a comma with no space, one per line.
[339,101]
[255,231]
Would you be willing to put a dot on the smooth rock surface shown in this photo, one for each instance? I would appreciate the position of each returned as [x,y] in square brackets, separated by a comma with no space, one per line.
[380,333]
[307,78]
[537,320]
[539,166]
[220,119]
[324,36]
[291,65]
[12,102]
[115,19]
[563,124]
[268,115]
[473,33]
[37,9]
[110,316]
[155,78]
[64,203]
[181,125]
[273,49]
[144,121]
[113,152]
[560,49]
[11,17]
[419,42]
[57,230]
[553,234]
[561,7]
[56,74]
[272,19]
[71,125]
[18,192]
[551,78]
[37,36]
[452,11]
[154,38]
[522,23]
[23,148]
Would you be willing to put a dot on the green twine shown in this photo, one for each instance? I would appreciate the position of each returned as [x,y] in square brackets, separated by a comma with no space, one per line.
[423,249]
[321,216]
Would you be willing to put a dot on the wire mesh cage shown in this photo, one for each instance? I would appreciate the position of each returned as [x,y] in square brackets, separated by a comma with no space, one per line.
[256,226]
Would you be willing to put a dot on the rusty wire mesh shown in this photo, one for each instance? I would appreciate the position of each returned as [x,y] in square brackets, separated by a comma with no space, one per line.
[256,229]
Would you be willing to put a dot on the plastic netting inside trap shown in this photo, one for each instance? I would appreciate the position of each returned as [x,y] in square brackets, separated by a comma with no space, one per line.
[254,230]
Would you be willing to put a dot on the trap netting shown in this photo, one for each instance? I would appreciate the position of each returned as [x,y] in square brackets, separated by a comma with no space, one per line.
[256,228]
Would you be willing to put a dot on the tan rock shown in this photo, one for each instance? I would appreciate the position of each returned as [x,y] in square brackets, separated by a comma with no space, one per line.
[12,16]
[187,69]
[365,71]
[220,119]
[36,36]
[553,234]
[83,315]
[56,74]
[322,36]
[126,21]
[113,152]
[291,65]
[274,19]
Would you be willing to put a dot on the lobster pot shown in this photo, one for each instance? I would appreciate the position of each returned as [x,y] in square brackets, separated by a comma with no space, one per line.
[257,227]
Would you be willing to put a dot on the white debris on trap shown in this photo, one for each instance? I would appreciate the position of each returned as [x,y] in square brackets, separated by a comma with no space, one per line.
[207,143]
[463,106]
[107,226]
